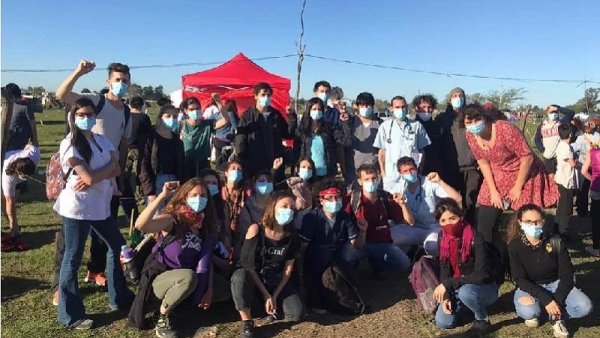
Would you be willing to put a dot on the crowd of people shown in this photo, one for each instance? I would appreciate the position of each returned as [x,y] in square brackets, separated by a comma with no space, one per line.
[264,224]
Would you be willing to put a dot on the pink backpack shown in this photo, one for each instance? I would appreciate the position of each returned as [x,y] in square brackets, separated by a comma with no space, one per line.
[55,178]
[424,278]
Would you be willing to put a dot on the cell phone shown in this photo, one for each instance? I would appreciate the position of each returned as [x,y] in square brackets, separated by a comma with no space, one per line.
[173,185]
[505,204]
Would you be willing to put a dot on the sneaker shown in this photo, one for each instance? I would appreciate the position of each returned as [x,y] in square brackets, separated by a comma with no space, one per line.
[532,322]
[98,278]
[163,328]
[55,298]
[560,331]
[480,328]
[82,324]
[247,329]
[592,251]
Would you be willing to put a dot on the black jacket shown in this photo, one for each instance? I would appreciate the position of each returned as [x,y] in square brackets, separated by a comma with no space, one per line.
[476,270]
[459,155]
[148,162]
[433,154]
[259,142]
[329,143]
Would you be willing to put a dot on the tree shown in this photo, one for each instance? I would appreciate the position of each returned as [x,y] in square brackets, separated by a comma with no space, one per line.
[158,92]
[148,92]
[34,91]
[502,99]
[134,90]
[589,102]
[85,91]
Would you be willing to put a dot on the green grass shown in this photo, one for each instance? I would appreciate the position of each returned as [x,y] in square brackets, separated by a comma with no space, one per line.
[27,311]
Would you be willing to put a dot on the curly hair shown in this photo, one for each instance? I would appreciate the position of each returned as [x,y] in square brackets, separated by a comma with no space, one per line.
[424,98]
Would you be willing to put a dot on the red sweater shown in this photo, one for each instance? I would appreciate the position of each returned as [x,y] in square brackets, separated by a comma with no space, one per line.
[378,230]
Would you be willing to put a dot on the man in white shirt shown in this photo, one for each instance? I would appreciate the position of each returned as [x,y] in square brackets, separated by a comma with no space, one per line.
[564,178]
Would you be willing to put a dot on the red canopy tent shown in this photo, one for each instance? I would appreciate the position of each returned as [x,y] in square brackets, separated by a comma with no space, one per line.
[235,80]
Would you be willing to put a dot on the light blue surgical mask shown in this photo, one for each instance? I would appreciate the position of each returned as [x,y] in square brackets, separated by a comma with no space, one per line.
[264,101]
[193,114]
[476,128]
[411,178]
[365,111]
[169,122]
[531,230]
[197,203]
[234,175]
[263,188]
[324,97]
[370,187]
[333,206]
[316,114]
[119,89]
[553,116]
[457,102]
[85,123]
[284,216]
[305,173]
[424,116]
[400,113]
[213,189]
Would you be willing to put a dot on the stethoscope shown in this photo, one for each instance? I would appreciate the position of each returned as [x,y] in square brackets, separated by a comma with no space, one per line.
[418,197]
[410,132]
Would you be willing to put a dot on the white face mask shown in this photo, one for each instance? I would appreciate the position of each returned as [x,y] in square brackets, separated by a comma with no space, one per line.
[425,116]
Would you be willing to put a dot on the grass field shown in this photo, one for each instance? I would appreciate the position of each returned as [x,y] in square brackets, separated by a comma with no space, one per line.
[26,309]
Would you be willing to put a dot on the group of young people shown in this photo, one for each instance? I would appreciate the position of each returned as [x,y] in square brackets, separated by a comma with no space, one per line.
[249,233]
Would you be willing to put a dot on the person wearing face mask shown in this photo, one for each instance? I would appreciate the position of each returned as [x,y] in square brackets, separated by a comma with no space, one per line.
[260,133]
[317,139]
[546,136]
[466,272]
[582,146]
[114,123]
[195,132]
[324,231]
[92,159]
[331,115]
[433,154]
[373,209]
[397,138]
[180,268]
[300,184]
[162,156]
[267,264]
[542,270]
[513,175]
[254,206]
[18,166]
[233,195]
[422,194]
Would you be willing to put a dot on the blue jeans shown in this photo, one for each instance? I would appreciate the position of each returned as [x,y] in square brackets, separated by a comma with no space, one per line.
[577,303]
[70,307]
[380,255]
[469,297]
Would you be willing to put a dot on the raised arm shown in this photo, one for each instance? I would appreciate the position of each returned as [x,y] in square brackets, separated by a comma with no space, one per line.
[65,90]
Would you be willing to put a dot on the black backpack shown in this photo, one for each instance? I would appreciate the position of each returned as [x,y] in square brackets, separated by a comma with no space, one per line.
[102,102]
[383,196]
[340,294]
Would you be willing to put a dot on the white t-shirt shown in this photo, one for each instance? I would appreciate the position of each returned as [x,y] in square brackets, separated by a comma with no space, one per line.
[423,200]
[111,121]
[92,204]
[564,172]
[9,182]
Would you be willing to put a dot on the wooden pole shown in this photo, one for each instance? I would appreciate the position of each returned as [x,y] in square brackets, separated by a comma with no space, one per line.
[7,109]
[300,46]
[525,118]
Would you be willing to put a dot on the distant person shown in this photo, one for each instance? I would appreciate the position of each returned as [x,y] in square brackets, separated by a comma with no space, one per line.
[435,152]
[195,133]
[546,136]
[22,129]
[591,171]
[582,146]
[565,179]
[225,129]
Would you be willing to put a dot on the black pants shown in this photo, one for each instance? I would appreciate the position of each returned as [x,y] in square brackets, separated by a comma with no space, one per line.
[582,197]
[595,215]
[564,210]
[191,168]
[467,182]
[243,291]
[487,217]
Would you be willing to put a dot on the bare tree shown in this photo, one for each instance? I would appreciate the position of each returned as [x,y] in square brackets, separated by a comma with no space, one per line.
[300,45]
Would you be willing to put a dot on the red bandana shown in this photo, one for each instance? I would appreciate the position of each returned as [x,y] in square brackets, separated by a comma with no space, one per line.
[190,217]
[452,233]
[330,191]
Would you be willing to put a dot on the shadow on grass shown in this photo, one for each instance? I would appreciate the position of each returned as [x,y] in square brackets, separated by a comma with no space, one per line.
[38,239]
[13,287]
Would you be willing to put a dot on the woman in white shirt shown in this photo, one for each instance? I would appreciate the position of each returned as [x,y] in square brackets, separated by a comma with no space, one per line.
[90,164]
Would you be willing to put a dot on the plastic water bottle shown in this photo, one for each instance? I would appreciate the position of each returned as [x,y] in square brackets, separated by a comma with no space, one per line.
[126,254]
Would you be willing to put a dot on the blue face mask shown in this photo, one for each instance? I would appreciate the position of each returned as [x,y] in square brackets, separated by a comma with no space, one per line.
[234,175]
[264,188]
[316,114]
[169,122]
[324,97]
[305,173]
[365,112]
[193,114]
[213,189]
[197,203]
[85,123]
[333,206]
[370,187]
[476,128]
[531,230]
[284,216]
[457,102]
[553,116]
[264,101]
[400,114]
[411,178]
[119,89]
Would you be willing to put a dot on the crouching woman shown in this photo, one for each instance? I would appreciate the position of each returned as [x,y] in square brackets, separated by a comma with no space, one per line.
[541,267]
[266,264]
[182,258]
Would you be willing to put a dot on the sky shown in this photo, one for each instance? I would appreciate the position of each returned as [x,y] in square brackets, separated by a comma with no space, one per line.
[510,38]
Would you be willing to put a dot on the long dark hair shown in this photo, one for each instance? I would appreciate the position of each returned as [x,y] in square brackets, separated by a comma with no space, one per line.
[78,139]
[514,228]
[268,219]
[306,126]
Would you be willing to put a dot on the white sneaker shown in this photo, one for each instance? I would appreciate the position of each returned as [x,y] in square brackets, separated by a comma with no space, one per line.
[532,322]
[560,331]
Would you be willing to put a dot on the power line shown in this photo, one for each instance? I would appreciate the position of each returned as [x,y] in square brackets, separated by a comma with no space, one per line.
[448,74]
